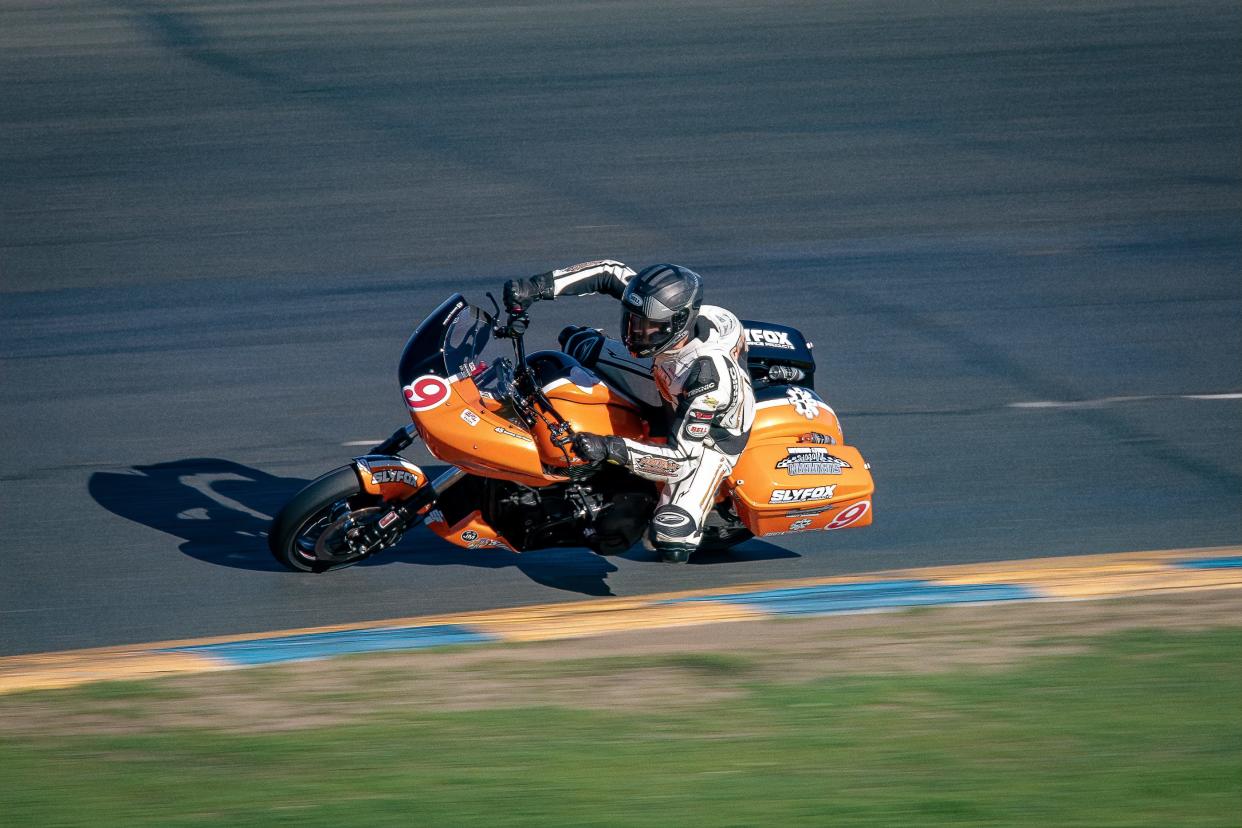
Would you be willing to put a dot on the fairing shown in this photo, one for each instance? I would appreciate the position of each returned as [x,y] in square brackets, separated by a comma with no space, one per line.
[440,371]
[458,386]
[470,532]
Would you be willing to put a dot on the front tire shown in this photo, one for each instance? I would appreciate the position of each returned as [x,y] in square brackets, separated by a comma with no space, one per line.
[311,524]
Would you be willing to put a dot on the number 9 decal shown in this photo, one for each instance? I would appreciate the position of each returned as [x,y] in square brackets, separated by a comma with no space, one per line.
[426,392]
[850,515]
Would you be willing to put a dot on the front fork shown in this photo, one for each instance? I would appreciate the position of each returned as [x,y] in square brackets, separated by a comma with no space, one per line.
[400,440]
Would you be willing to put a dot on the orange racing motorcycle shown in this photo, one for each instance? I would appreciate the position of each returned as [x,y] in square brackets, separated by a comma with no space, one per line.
[504,421]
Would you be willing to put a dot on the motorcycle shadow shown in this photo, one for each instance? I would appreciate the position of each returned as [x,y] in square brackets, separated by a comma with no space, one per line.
[218,508]
[221,510]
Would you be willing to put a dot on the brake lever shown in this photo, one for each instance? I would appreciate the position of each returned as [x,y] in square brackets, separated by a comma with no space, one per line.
[509,330]
[499,330]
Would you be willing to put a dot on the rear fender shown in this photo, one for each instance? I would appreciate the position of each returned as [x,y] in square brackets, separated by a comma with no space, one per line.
[391,478]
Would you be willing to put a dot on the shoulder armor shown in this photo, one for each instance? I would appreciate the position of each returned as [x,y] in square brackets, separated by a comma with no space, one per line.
[702,378]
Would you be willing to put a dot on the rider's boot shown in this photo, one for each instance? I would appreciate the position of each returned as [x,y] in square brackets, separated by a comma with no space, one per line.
[675,552]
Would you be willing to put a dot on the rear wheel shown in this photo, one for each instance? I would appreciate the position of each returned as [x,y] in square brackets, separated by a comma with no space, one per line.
[723,529]
[719,540]
[309,534]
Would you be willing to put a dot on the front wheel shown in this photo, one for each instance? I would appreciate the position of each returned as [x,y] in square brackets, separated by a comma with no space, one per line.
[309,534]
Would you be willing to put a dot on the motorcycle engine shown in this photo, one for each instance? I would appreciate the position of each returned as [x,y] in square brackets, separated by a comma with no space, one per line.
[607,512]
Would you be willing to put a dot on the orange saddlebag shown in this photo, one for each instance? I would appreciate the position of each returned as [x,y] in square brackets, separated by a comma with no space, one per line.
[781,485]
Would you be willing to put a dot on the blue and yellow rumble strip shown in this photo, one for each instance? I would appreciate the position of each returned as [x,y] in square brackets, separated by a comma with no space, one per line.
[306,646]
[1065,578]
[827,599]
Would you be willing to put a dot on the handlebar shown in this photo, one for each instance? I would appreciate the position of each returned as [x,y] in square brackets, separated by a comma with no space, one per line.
[560,430]
[514,328]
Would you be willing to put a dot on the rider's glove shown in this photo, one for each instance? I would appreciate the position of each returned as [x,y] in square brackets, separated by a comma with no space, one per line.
[596,449]
[520,294]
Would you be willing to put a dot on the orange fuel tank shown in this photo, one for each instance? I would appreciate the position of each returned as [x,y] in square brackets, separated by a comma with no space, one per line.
[584,401]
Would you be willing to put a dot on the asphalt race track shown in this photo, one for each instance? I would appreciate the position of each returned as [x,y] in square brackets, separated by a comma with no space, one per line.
[219,223]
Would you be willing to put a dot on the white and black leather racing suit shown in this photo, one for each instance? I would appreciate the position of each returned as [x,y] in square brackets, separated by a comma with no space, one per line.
[707,389]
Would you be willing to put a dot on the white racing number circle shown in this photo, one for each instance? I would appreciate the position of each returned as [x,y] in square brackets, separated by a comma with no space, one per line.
[850,515]
[426,392]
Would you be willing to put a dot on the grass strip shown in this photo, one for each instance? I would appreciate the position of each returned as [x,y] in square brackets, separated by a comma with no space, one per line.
[1145,728]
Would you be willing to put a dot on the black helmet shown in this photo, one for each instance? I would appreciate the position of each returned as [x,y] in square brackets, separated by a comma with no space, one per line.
[660,305]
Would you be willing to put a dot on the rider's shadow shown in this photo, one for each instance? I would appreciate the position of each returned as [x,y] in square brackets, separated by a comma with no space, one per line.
[221,510]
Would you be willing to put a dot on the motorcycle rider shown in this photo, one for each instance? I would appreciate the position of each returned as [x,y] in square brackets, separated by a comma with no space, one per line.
[697,362]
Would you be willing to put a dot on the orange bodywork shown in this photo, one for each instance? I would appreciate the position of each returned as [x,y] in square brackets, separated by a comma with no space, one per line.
[471,532]
[393,479]
[595,408]
[790,481]
[466,431]
[795,474]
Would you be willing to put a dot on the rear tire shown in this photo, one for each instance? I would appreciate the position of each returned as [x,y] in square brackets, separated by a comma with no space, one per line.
[721,538]
[313,518]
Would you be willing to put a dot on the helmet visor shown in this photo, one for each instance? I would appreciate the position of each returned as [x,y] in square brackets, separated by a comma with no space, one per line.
[644,336]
